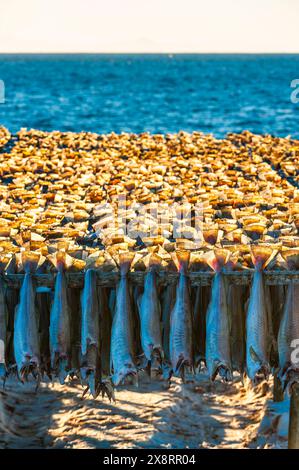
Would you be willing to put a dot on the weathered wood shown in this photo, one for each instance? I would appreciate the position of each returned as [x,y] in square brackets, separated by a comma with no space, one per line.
[109,279]
[294,418]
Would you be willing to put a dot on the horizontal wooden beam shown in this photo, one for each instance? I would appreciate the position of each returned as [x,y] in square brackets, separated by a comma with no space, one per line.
[109,279]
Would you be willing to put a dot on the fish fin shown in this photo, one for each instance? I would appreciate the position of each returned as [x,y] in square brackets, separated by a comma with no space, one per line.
[181,260]
[85,392]
[254,356]
[125,262]
[105,387]
[91,380]
[262,255]
[292,258]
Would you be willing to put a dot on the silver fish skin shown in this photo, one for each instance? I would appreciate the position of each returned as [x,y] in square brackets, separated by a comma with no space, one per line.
[288,332]
[26,338]
[237,321]
[168,301]
[60,336]
[90,319]
[122,336]
[90,331]
[150,318]
[218,353]
[181,323]
[3,331]
[258,330]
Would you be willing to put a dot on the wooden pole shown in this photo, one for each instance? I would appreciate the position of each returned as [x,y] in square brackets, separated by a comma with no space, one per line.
[294,418]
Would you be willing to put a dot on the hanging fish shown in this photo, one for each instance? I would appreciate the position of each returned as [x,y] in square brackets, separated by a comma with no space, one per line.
[122,336]
[3,323]
[181,321]
[26,337]
[289,326]
[218,352]
[150,314]
[259,336]
[90,333]
[60,334]
[167,304]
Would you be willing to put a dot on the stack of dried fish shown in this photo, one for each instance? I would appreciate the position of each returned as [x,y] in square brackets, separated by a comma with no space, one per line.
[67,186]
[4,136]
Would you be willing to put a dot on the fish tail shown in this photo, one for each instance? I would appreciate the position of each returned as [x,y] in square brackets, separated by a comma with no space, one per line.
[61,260]
[183,258]
[218,258]
[154,262]
[125,262]
[29,261]
[262,256]
[292,258]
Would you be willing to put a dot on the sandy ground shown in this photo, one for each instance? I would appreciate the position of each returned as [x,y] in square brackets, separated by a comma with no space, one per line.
[194,415]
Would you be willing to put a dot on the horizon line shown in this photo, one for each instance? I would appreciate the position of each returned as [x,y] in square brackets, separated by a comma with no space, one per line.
[145,53]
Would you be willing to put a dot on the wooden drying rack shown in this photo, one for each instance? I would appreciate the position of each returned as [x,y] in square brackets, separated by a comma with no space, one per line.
[198,278]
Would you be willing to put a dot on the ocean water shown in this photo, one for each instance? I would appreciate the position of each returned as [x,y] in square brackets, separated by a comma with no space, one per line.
[155,93]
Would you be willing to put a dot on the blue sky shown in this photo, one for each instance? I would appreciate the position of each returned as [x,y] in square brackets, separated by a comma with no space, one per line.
[149,26]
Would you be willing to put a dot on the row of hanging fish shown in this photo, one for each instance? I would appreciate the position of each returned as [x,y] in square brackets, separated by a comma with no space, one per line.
[106,336]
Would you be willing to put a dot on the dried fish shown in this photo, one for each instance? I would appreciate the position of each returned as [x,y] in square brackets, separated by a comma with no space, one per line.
[26,338]
[181,322]
[259,335]
[122,354]
[288,335]
[60,328]
[218,327]
[150,315]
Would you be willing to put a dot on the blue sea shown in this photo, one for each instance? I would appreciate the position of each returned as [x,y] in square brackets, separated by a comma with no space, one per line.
[155,93]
